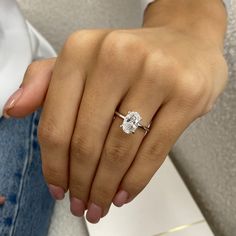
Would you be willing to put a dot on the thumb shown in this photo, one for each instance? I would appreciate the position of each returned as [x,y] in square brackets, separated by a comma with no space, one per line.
[31,94]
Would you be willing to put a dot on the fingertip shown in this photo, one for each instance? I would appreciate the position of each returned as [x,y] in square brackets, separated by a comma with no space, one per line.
[57,193]
[94,213]
[121,198]
[77,207]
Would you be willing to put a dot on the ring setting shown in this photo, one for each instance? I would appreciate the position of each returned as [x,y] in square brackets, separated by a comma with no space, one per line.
[131,122]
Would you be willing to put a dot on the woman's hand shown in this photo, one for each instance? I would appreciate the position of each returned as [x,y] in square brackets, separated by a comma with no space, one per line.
[164,74]
[170,74]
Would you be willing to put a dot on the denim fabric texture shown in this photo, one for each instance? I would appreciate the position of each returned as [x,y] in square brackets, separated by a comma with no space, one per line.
[29,206]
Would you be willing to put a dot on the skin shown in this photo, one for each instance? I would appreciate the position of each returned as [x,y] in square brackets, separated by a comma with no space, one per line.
[171,71]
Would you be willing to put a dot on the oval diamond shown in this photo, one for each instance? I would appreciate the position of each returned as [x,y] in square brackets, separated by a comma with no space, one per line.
[131,122]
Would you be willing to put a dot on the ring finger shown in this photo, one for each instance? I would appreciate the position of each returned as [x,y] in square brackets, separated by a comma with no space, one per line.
[93,122]
[120,149]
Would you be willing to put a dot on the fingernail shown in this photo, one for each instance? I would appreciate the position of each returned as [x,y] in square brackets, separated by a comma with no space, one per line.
[11,102]
[57,193]
[121,198]
[94,213]
[2,200]
[77,207]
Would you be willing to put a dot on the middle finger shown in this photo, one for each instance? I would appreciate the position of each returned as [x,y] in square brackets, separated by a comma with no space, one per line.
[93,122]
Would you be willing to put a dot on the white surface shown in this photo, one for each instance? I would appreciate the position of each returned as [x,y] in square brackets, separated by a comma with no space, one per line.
[165,204]
[195,230]
[64,223]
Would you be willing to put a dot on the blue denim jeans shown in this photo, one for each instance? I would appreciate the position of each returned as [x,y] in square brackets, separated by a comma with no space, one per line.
[29,206]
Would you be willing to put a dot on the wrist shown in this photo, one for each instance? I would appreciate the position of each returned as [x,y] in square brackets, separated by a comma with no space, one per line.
[204,19]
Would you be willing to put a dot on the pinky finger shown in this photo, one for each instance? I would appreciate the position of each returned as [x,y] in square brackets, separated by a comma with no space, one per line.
[168,125]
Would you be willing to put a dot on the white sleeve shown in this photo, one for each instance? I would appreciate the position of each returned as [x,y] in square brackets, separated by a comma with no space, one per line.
[144,3]
[15,57]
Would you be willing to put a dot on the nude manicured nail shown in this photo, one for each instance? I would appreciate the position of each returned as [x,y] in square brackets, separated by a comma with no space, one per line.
[94,213]
[11,102]
[121,198]
[77,207]
[57,193]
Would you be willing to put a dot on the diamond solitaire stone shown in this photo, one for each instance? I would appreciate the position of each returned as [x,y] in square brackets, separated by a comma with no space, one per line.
[131,122]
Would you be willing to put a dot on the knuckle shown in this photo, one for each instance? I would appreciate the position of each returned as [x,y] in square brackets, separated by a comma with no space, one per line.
[153,81]
[78,187]
[82,148]
[78,36]
[49,136]
[160,69]
[120,47]
[197,92]
[101,195]
[155,152]
[192,90]
[160,62]
[116,154]
[76,42]
[121,41]
[70,43]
